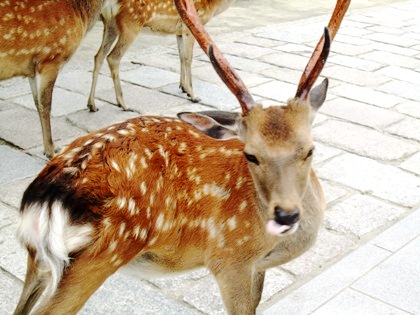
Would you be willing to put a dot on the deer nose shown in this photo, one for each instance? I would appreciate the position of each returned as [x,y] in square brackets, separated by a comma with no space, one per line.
[284,217]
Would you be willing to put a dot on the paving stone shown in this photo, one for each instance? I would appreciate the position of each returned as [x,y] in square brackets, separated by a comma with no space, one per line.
[403,89]
[410,108]
[286,60]
[171,62]
[210,94]
[358,41]
[400,234]
[368,176]
[14,87]
[350,49]
[27,133]
[14,257]
[243,50]
[258,41]
[386,29]
[275,90]
[246,64]
[360,214]
[17,165]
[401,74]
[351,302]
[5,105]
[276,280]
[11,193]
[366,95]
[124,295]
[141,100]
[354,76]
[393,276]
[409,52]
[332,192]
[176,284]
[64,102]
[323,152]
[107,115]
[318,290]
[363,141]
[412,164]
[392,39]
[81,80]
[296,49]
[395,60]
[283,74]
[408,128]
[205,297]
[11,290]
[355,31]
[8,215]
[328,247]
[355,62]
[187,107]
[360,113]
[150,77]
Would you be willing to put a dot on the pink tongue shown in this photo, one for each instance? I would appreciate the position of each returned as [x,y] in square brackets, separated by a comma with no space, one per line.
[275,229]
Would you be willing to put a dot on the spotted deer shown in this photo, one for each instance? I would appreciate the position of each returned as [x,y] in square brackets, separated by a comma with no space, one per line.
[124,19]
[154,195]
[37,38]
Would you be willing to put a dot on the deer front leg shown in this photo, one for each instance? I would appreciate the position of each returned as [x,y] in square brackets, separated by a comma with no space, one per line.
[236,287]
[42,95]
[185,48]
[127,34]
[109,36]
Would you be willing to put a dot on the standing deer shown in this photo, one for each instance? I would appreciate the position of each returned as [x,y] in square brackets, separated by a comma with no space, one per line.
[37,38]
[126,18]
[155,195]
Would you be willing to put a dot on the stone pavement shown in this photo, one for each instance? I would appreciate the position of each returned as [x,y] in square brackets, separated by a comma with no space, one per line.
[366,260]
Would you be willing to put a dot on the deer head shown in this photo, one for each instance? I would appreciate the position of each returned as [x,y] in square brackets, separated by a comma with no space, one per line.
[277,140]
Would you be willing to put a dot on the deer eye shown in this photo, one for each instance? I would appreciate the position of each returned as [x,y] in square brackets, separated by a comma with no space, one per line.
[251,158]
[310,153]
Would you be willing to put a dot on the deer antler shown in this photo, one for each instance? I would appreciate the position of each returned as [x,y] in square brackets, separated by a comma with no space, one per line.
[320,54]
[189,16]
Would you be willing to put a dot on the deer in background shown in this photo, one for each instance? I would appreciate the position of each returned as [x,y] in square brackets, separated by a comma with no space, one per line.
[124,19]
[153,195]
[37,38]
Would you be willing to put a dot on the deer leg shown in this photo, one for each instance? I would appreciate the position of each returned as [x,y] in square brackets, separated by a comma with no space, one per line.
[80,280]
[48,75]
[109,36]
[185,48]
[257,287]
[34,286]
[127,34]
[236,286]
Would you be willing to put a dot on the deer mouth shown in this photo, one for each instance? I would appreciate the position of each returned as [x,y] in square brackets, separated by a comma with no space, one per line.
[276,229]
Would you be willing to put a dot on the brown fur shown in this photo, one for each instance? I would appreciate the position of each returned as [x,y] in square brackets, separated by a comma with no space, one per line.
[37,38]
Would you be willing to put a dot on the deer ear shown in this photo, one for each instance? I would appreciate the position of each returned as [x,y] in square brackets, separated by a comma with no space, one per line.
[209,126]
[318,95]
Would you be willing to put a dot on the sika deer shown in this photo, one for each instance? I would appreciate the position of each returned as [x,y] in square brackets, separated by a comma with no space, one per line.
[154,195]
[125,19]
[37,38]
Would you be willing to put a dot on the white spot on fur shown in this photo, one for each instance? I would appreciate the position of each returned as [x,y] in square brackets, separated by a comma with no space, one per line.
[231,223]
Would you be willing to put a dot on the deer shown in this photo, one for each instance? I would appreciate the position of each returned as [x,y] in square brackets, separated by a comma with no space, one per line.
[37,39]
[153,195]
[123,22]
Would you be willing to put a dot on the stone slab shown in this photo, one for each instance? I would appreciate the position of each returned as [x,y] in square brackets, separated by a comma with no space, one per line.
[126,296]
[10,289]
[17,165]
[150,77]
[412,164]
[360,214]
[393,276]
[350,302]
[319,290]
[370,177]
[408,128]
[363,141]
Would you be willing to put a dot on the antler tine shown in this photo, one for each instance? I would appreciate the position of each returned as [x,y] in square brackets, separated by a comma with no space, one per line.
[228,75]
[319,56]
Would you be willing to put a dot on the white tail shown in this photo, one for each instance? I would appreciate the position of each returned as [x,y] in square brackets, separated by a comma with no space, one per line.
[233,192]
[124,19]
[37,38]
